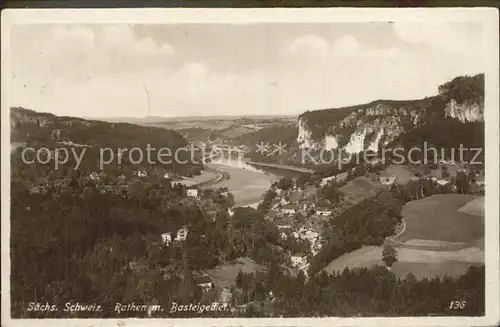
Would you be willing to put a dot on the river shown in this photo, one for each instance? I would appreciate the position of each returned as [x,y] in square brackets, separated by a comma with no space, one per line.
[246,183]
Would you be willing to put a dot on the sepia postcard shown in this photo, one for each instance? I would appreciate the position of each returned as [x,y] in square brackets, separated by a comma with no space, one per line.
[250,167]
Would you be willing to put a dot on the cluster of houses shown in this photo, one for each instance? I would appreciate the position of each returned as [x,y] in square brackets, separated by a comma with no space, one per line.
[448,169]
[41,185]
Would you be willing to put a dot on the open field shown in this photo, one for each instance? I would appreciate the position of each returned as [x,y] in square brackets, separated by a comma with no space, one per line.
[402,173]
[432,243]
[474,207]
[422,263]
[359,189]
[443,235]
[225,275]
[438,218]
[364,187]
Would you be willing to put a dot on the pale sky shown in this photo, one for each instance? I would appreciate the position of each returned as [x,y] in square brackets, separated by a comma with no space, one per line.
[222,69]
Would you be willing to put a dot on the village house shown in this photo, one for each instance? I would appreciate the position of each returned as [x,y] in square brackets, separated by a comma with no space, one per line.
[193,192]
[288,209]
[122,188]
[324,212]
[387,180]
[182,234]
[141,173]
[298,260]
[373,177]
[283,201]
[166,238]
[446,162]
[36,189]
[375,161]
[94,176]
[294,197]
[306,207]
[204,282]
[225,295]
[138,265]
[282,226]
[414,178]
[121,179]
[340,178]
[325,180]
[40,185]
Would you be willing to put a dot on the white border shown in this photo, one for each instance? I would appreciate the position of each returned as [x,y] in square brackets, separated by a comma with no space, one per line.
[487,16]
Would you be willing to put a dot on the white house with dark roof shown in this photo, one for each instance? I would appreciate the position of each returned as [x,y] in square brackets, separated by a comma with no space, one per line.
[166,238]
[182,234]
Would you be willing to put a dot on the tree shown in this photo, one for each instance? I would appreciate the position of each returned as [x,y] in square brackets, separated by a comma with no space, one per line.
[444,172]
[462,183]
[230,199]
[239,279]
[284,183]
[331,193]
[301,277]
[389,255]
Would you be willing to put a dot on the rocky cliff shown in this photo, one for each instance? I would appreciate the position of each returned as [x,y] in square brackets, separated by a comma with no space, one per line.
[382,122]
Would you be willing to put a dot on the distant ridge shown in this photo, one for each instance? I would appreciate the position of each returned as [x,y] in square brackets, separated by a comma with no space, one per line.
[159,119]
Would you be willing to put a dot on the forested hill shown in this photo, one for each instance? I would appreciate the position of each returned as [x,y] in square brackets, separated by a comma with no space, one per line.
[37,130]
[28,125]
[458,107]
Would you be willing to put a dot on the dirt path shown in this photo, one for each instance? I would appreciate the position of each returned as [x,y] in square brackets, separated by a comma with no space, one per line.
[393,239]
[219,177]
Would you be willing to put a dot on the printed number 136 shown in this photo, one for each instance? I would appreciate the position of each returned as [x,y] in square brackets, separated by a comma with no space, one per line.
[457,304]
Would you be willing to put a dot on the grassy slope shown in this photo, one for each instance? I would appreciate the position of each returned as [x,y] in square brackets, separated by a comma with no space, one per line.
[225,275]
[437,218]
[422,263]
[433,218]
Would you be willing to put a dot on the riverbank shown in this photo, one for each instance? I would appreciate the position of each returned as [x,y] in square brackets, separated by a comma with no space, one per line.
[206,177]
